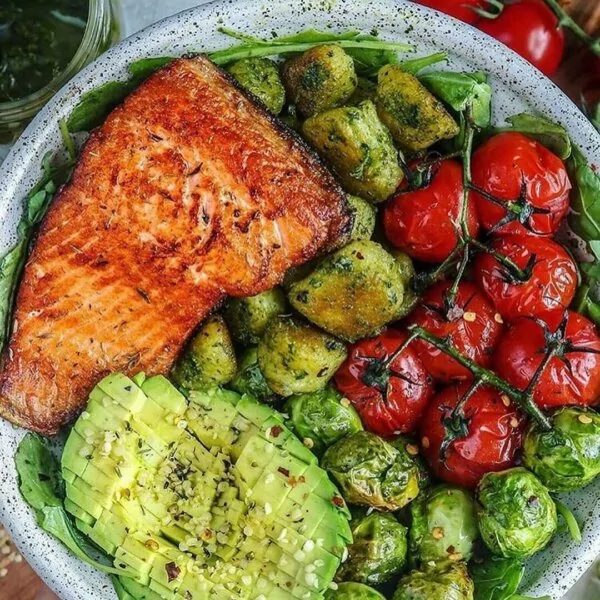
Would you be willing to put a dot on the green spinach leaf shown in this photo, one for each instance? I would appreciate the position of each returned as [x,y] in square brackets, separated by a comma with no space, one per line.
[40,485]
[496,578]
[460,90]
[551,135]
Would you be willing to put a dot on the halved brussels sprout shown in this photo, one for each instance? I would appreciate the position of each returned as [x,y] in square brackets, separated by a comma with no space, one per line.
[449,581]
[248,317]
[416,118]
[250,380]
[359,148]
[567,457]
[411,448]
[352,293]
[208,359]
[353,591]
[321,78]
[260,76]
[322,418]
[444,524]
[364,215]
[517,516]
[378,551]
[296,358]
[409,274]
[371,472]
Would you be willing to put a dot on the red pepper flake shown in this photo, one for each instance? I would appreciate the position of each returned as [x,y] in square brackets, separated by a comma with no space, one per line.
[284,471]
[293,481]
[276,430]
[173,571]
[338,501]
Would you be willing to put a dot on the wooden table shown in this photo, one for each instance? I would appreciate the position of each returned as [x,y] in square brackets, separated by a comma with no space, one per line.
[21,583]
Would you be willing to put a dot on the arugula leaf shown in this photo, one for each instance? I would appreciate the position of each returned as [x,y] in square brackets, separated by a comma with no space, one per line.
[460,90]
[549,134]
[415,65]
[40,483]
[95,105]
[496,578]
[12,262]
[369,52]
[585,221]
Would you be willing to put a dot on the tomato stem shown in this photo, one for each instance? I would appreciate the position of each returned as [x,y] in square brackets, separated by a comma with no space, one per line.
[522,398]
[566,21]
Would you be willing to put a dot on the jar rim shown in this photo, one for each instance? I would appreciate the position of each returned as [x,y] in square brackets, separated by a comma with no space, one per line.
[93,36]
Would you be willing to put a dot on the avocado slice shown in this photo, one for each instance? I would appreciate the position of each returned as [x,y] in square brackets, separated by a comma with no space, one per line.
[206,498]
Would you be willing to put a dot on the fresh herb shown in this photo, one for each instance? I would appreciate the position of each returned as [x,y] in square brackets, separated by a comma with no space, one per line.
[369,52]
[496,578]
[551,135]
[462,90]
[415,65]
[585,222]
[96,104]
[12,262]
[39,482]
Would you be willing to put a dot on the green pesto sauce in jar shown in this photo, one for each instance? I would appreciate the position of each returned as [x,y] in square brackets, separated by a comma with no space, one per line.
[38,39]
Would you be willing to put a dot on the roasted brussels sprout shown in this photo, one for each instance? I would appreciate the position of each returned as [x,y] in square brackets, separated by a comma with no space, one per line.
[359,148]
[449,581]
[568,456]
[322,418]
[444,524]
[353,293]
[209,358]
[517,516]
[364,215]
[372,472]
[248,317]
[260,76]
[410,447]
[296,358]
[353,591]
[321,78]
[415,117]
[378,551]
[249,379]
[407,269]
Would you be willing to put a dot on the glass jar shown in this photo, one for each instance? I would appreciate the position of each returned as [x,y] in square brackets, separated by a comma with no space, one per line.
[101,32]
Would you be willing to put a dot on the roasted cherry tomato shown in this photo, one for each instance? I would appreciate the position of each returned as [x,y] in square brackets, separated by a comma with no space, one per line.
[461,446]
[459,9]
[423,223]
[472,325]
[531,29]
[572,377]
[389,392]
[552,277]
[514,168]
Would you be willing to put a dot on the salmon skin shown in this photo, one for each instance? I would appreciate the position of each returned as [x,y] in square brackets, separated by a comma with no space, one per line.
[189,193]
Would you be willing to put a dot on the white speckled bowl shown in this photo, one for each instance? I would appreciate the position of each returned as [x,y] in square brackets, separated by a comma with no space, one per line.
[517,87]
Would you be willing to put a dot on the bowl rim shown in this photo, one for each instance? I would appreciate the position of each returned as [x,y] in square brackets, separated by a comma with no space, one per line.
[22,167]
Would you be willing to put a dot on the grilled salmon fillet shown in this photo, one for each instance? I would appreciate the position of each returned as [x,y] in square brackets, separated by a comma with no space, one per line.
[189,193]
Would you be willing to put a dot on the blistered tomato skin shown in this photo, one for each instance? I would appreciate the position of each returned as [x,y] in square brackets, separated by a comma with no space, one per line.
[494,435]
[424,223]
[474,328]
[390,399]
[571,379]
[500,167]
[551,286]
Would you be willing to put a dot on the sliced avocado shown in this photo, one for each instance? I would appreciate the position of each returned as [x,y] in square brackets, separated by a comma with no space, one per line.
[211,499]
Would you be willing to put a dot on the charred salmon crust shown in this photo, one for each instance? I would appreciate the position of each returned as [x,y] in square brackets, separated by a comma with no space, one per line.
[190,192]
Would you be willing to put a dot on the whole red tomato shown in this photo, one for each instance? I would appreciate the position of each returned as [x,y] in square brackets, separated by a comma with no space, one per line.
[510,163]
[485,436]
[473,327]
[530,28]
[423,223]
[552,281]
[390,398]
[459,9]
[571,378]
